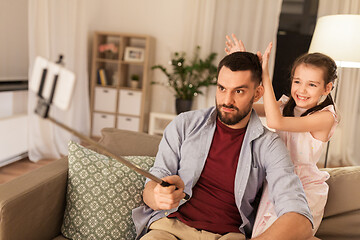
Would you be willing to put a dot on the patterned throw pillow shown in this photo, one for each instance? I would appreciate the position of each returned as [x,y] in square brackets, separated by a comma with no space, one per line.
[101,194]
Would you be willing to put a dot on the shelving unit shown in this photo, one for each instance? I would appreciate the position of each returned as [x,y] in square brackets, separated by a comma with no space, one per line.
[115,102]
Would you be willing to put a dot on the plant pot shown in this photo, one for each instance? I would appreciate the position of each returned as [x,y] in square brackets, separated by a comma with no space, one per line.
[134,84]
[183,105]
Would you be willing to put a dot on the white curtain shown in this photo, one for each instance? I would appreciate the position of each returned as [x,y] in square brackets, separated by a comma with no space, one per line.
[255,22]
[58,27]
[344,146]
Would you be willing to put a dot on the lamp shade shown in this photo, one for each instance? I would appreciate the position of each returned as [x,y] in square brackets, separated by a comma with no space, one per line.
[338,36]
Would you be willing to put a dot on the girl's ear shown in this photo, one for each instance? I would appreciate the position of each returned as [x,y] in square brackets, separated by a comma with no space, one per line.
[328,88]
[259,92]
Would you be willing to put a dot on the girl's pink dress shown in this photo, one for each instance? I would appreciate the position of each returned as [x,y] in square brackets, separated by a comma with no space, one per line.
[305,152]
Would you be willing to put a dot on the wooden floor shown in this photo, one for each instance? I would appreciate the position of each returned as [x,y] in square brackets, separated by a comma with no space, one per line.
[19,168]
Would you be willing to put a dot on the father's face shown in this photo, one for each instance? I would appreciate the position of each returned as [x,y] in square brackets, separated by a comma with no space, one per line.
[235,95]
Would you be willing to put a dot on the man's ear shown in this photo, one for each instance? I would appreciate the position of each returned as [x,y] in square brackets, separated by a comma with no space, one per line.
[259,92]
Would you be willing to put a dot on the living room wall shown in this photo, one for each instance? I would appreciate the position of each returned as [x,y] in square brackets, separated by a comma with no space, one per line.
[162,19]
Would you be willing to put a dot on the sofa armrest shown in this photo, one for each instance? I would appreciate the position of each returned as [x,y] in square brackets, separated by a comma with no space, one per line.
[32,205]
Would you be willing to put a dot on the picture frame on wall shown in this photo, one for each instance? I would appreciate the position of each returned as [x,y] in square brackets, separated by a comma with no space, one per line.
[134,54]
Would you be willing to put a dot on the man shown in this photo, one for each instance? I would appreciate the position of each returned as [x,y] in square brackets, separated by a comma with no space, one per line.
[221,157]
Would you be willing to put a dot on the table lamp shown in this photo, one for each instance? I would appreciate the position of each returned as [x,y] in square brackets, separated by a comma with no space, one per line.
[338,36]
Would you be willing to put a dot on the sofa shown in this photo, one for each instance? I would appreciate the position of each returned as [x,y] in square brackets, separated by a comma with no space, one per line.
[32,206]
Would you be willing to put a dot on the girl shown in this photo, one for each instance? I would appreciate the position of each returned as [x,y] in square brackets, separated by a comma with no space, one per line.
[305,121]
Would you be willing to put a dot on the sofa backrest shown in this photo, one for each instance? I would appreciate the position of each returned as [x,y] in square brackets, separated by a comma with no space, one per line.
[342,211]
[129,143]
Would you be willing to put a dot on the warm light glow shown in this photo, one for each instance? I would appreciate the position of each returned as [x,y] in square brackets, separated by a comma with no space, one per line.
[338,36]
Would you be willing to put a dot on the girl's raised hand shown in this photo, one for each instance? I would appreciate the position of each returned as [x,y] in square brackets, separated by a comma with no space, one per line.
[234,45]
[264,59]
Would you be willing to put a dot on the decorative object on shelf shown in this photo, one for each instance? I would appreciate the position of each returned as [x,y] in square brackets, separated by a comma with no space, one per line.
[134,54]
[185,80]
[108,50]
[134,80]
[102,77]
[115,77]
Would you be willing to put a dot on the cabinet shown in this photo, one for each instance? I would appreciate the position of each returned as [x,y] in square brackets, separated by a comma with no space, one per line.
[158,122]
[120,81]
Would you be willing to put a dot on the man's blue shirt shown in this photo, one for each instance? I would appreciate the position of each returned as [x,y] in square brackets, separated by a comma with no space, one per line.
[183,151]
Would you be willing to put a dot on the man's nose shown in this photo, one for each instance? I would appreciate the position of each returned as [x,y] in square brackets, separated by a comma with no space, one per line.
[229,99]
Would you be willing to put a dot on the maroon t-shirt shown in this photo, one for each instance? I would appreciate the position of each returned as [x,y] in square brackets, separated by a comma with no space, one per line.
[212,206]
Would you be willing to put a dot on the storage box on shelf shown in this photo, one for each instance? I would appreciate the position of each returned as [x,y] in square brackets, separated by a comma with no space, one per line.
[116,101]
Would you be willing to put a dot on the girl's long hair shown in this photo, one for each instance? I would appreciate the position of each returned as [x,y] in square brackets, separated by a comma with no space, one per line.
[328,66]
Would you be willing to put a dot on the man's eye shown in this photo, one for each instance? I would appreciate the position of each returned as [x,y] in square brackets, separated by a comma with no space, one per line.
[239,91]
[221,88]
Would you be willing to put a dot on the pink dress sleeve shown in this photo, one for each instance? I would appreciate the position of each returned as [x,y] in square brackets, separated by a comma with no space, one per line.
[283,100]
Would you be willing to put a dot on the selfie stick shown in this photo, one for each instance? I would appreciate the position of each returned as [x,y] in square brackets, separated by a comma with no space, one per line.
[42,109]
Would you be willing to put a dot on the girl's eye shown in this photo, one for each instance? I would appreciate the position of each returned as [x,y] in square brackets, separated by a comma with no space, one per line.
[312,85]
[296,82]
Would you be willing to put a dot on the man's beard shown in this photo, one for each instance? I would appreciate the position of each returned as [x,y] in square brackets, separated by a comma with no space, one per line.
[234,117]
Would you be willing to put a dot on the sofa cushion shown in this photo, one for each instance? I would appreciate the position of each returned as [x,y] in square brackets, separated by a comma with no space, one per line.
[101,195]
[342,211]
[342,183]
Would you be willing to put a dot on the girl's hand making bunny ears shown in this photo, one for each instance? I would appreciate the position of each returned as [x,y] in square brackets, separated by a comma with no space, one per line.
[264,59]
[234,45]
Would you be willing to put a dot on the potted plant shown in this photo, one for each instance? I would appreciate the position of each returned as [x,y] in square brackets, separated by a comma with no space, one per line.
[134,81]
[186,79]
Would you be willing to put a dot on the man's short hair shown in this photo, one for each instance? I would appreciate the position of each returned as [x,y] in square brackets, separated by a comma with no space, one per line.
[242,61]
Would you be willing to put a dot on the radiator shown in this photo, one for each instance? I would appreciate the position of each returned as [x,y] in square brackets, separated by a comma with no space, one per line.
[13,138]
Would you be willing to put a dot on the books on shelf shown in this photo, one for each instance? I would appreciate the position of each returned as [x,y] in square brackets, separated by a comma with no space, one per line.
[102,80]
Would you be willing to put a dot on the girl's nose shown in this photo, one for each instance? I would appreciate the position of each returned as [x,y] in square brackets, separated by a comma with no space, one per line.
[302,88]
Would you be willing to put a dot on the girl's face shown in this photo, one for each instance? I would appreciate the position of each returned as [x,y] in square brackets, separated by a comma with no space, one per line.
[308,86]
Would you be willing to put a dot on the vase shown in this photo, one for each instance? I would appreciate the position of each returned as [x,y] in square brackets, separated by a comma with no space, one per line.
[110,55]
[183,105]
